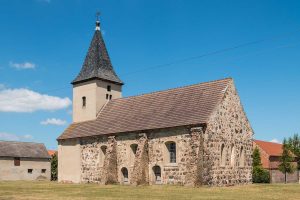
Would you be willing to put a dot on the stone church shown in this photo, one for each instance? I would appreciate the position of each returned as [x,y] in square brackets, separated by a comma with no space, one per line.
[192,135]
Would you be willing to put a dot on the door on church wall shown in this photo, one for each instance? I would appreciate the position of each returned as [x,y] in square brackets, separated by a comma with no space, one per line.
[157,174]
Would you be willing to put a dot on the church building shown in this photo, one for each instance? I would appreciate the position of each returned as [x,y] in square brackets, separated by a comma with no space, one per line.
[192,135]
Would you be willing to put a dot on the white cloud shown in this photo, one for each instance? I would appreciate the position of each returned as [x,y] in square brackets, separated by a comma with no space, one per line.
[25,65]
[275,141]
[54,121]
[14,137]
[24,100]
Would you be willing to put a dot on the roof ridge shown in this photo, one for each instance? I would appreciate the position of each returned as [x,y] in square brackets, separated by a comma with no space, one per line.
[267,142]
[170,89]
[21,142]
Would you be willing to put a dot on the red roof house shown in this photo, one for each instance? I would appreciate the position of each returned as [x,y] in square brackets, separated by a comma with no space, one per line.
[270,153]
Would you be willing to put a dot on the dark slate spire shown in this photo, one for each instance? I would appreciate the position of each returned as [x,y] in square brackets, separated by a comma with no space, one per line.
[97,64]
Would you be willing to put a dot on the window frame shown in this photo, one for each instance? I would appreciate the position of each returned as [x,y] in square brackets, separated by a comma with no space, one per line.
[17,161]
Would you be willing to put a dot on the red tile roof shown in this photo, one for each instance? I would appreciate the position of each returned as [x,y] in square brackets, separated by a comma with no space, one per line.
[271,148]
[51,152]
[190,105]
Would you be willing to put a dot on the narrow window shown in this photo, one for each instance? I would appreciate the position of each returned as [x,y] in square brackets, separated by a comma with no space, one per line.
[242,157]
[43,171]
[134,148]
[108,88]
[17,161]
[223,155]
[125,174]
[110,96]
[103,149]
[83,102]
[30,171]
[171,146]
[107,95]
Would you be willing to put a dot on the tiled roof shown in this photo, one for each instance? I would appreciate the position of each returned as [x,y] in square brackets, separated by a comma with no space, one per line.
[23,150]
[188,105]
[97,64]
[51,152]
[271,148]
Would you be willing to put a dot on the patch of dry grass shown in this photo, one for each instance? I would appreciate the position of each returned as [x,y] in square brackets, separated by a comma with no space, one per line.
[53,190]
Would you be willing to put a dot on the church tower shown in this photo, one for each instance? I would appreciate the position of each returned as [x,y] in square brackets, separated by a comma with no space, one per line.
[97,82]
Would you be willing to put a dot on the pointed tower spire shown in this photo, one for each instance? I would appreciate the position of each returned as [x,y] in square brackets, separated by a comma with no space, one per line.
[97,64]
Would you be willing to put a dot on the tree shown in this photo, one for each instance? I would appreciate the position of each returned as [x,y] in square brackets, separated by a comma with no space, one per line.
[294,143]
[54,167]
[286,160]
[259,174]
[256,158]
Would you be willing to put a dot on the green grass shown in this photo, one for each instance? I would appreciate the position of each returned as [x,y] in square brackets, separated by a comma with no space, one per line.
[52,190]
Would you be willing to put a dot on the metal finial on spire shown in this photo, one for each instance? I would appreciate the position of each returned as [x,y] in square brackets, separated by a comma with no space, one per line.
[97,21]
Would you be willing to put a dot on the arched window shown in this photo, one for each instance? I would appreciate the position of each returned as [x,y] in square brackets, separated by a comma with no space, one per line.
[223,155]
[171,146]
[134,148]
[157,174]
[102,155]
[83,102]
[232,156]
[125,174]
[242,157]
[103,149]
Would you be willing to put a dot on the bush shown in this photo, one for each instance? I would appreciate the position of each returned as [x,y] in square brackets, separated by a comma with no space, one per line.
[260,175]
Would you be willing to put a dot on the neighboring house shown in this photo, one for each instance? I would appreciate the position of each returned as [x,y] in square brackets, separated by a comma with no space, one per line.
[24,161]
[193,135]
[270,157]
[52,152]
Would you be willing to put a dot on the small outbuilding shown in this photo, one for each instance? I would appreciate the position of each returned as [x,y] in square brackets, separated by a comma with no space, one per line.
[270,153]
[24,161]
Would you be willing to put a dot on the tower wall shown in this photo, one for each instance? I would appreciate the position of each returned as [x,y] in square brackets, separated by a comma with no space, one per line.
[95,92]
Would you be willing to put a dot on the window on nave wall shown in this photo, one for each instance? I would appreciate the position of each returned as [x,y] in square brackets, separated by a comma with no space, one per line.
[171,147]
[102,154]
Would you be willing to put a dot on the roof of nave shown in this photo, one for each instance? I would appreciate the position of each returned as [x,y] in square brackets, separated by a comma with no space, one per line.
[189,105]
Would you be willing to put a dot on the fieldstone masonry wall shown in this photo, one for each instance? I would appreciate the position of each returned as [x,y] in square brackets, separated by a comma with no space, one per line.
[140,173]
[194,161]
[109,171]
[229,126]
[198,152]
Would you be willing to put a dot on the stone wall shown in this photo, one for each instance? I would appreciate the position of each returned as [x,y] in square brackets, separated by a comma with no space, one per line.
[151,144]
[230,127]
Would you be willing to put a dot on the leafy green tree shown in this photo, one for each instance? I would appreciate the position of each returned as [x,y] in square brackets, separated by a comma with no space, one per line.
[294,143]
[286,160]
[259,174]
[54,167]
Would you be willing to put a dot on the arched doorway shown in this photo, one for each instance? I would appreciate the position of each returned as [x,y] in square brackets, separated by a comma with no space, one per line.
[125,174]
[157,174]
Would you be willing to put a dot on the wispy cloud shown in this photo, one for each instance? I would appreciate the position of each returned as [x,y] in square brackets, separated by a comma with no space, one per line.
[275,141]
[2,86]
[54,121]
[25,65]
[45,1]
[24,100]
[14,137]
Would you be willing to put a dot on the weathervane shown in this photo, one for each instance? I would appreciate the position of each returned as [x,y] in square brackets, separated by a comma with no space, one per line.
[98,15]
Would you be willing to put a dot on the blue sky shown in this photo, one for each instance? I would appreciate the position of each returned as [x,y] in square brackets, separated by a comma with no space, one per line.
[43,44]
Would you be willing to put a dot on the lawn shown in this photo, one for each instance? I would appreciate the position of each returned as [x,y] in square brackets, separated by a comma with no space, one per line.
[52,190]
